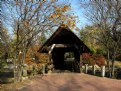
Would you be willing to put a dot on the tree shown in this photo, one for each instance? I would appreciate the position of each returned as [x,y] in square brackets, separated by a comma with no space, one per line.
[106,16]
[88,35]
[4,44]
[28,21]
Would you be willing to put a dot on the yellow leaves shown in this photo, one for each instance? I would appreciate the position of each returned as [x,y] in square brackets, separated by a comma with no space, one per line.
[25,23]
[52,1]
[71,23]
[73,17]
[58,9]
[95,31]
[65,8]
[62,9]
[55,21]
[63,18]
[61,14]
[64,25]
[55,15]
[52,16]
[58,14]
[68,20]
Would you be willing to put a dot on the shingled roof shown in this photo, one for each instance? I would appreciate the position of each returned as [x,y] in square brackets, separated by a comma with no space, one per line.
[63,35]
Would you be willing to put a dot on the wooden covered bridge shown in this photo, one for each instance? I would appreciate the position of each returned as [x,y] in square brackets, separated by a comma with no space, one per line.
[62,42]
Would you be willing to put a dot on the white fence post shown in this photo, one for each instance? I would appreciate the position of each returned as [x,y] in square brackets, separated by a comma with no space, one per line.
[103,71]
[93,69]
[86,68]
[43,69]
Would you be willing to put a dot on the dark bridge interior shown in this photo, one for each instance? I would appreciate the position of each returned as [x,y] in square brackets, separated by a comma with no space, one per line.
[61,63]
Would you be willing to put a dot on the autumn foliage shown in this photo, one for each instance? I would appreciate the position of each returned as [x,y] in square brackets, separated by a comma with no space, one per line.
[60,13]
[93,59]
[35,58]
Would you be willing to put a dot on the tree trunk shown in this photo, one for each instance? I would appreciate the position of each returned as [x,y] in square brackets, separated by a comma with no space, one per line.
[18,66]
[15,68]
[108,62]
[94,69]
[113,70]
[23,55]
[113,65]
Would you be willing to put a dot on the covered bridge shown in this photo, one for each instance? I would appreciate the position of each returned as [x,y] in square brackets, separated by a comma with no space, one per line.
[62,43]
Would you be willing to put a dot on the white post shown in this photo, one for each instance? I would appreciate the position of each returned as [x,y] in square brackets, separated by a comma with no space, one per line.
[86,68]
[103,71]
[43,69]
[93,69]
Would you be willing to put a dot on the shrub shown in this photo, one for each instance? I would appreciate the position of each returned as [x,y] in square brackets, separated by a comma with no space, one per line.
[6,74]
[2,64]
[118,73]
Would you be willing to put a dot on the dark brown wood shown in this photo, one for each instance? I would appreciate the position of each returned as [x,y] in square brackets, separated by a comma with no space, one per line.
[63,35]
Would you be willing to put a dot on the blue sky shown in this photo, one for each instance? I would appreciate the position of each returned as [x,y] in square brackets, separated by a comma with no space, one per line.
[78,11]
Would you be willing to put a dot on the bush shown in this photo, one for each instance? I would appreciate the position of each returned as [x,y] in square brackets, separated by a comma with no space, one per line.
[2,64]
[6,80]
[24,74]
[100,51]
[118,57]
[7,74]
[6,77]
[118,74]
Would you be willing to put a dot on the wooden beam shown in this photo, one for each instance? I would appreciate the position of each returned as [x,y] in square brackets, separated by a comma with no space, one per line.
[52,47]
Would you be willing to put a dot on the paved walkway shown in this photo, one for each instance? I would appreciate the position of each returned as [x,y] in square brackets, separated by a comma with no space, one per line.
[72,82]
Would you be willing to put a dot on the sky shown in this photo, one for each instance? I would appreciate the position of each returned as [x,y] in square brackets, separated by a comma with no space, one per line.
[78,11]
